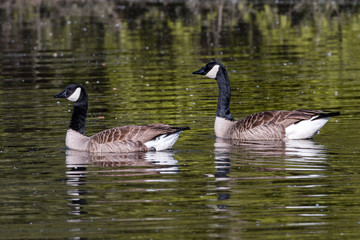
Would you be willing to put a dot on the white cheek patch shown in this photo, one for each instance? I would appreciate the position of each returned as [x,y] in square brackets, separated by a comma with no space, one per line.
[212,73]
[75,96]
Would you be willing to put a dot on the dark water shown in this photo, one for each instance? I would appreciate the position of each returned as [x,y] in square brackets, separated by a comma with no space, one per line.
[135,59]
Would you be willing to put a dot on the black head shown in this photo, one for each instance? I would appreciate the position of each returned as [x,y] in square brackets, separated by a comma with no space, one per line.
[210,70]
[73,92]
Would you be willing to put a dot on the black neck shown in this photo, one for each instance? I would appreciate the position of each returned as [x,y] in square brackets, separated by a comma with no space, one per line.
[223,106]
[78,118]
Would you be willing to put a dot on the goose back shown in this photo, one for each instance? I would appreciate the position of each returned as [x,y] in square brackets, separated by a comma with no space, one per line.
[273,125]
[128,138]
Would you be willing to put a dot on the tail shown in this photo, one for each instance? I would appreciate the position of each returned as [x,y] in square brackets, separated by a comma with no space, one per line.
[165,141]
[307,128]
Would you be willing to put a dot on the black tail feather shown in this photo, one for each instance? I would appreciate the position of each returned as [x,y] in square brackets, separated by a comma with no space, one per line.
[327,114]
[178,129]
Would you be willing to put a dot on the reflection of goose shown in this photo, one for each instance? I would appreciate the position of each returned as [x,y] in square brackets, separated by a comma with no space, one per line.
[127,167]
[294,155]
[269,125]
[267,148]
[154,137]
[76,159]
[290,148]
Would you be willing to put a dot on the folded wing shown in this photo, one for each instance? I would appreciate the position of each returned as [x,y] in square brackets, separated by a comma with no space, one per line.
[129,138]
[271,125]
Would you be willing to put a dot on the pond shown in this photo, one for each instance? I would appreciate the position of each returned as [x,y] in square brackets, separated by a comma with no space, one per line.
[135,59]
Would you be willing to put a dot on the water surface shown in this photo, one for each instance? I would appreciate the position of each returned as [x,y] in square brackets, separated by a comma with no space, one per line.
[135,60]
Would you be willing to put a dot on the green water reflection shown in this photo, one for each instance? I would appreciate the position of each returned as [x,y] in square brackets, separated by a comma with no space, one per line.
[135,58]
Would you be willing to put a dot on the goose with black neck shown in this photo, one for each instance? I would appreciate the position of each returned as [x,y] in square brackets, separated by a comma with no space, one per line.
[267,125]
[132,138]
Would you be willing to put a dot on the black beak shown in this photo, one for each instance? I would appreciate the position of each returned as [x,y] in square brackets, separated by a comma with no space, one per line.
[61,95]
[201,71]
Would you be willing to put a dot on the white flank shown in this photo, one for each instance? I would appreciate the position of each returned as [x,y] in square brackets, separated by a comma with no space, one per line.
[163,142]
[212,73]
[305,129]
[75,96]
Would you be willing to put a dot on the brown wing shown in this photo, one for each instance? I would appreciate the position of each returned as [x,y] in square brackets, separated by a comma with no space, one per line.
[128,138]
[269,125]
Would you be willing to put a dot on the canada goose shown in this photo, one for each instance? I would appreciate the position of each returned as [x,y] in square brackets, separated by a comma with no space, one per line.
[153,137]
[268,125]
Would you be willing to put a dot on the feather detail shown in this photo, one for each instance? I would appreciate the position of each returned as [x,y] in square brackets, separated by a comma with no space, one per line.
[128,138]
[278,125]
[123,139]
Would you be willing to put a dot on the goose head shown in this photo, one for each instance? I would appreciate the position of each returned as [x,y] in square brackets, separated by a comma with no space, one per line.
[216,70]
[211,70]
[73,92]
